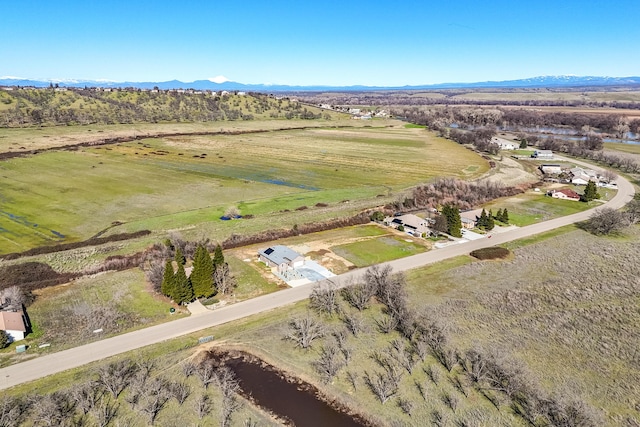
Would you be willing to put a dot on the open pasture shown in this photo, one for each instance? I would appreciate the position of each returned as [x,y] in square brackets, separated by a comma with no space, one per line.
[44,137]
[176,182]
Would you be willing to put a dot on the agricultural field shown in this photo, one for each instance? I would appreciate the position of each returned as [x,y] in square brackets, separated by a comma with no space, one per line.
[177,183]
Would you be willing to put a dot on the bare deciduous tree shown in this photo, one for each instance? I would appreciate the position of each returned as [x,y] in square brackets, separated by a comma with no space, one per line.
[324,298]
[422,388]
[51,410]
[403,354]
[13,411]
[451,400]
[382,385]
[433,373]
[387,324]
[352,377]
[13,295]
[105,411]
[440,419]
[206,372]
[116,376]
[354,322]
[606,221]
[224,281]
[359,295]
[406,405]
[305,330]
[180,391]
[189,368]
[249,423]
[329,363]
[202,405]
[86,395]
[155,398]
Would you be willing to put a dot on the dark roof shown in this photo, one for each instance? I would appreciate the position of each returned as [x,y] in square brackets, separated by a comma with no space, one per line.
[279,254]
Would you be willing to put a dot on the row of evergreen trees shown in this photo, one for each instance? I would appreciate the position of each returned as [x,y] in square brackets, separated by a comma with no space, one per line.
[201,283]
[486,221]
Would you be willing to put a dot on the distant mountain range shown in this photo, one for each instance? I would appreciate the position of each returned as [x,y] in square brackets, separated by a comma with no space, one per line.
[534,82]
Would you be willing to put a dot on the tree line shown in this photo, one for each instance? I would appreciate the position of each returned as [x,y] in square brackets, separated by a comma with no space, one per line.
[209,276]
[414,336]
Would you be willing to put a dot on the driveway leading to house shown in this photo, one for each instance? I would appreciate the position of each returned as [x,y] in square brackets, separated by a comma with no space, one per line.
[67,359]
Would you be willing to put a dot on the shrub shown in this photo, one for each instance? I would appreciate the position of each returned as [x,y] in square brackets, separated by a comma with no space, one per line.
[5,339]
[494,252]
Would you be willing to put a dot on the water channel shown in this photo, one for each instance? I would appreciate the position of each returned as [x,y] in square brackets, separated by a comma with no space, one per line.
[289,399]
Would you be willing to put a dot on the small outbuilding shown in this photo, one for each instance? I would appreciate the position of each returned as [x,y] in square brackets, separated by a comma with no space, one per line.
[14,324]
[542,154]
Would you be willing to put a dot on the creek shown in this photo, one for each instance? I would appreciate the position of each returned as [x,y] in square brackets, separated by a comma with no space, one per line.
[289,399]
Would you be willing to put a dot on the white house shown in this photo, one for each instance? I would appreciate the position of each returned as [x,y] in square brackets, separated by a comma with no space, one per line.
[564,194]
[551,169]
[281,258]
[581,176]
[505,144]
[14,324]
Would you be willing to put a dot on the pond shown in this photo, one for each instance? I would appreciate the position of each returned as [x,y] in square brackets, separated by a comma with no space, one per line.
[289,399]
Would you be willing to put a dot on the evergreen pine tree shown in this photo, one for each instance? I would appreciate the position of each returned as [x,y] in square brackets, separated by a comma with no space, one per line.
[483,220]
[454,222]
[490,223]
[490,216]
[180,258]
[168,282]
[590,192]
[202,273]
[183,287]
[505,216]
[499,215]
[218,256]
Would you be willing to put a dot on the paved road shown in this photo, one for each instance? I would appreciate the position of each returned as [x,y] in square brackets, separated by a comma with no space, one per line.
[68,359]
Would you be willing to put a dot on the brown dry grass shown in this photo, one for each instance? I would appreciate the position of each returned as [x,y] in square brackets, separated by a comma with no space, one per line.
[566,306]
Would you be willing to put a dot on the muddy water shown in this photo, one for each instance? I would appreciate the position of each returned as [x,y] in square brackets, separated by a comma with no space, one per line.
[294,401]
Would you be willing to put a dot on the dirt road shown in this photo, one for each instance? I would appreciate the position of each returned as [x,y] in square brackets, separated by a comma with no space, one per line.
[72,358]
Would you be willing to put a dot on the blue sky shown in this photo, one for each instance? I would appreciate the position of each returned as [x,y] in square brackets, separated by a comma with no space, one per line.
[318,42]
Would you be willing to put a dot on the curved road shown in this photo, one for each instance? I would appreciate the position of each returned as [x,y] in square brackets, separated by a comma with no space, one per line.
[67,359]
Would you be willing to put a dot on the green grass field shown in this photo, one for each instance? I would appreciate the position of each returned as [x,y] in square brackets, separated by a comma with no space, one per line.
[625,148]
[529,208]
[178,182]
[375,251]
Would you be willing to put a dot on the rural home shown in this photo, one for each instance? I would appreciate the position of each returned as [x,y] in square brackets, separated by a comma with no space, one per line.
[542,154]
[281,258]
[468,223]
[581,176]
[413,223]
[564,194]
[469,218]
[14,324]
[505,144]
[551,169]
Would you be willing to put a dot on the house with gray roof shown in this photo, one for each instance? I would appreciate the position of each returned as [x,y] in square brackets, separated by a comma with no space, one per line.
[281,258]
